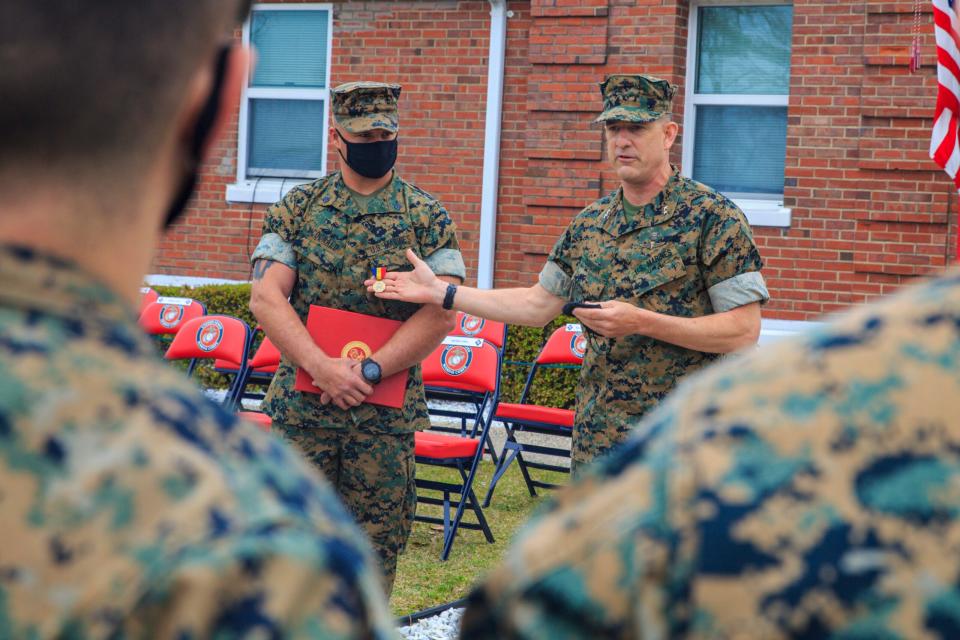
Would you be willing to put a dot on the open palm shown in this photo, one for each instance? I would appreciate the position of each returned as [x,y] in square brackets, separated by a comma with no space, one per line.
[419,285]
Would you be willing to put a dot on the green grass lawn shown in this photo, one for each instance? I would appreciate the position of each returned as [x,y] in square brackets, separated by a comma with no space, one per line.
[423,580]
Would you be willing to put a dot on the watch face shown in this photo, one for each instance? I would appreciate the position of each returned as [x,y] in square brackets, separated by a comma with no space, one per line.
[371,370]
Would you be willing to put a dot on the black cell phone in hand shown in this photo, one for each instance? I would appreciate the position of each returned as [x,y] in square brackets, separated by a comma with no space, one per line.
[570,306]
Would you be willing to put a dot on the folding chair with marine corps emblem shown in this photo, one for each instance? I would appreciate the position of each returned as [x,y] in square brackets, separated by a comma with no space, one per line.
[165,315]
[565,348]
[260,370]
[469,365]
[468,328]
[210,338]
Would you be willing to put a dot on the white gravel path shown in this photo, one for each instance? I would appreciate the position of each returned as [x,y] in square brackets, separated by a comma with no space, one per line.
[442,626]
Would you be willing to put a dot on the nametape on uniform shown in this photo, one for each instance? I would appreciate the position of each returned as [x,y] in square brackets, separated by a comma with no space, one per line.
[183,302]
[463,341]
[575,328]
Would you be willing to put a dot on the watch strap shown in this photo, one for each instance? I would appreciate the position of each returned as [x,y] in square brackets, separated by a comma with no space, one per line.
[448,296]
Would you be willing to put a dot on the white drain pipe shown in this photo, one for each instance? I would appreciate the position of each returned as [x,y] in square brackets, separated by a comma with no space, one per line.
[491,143]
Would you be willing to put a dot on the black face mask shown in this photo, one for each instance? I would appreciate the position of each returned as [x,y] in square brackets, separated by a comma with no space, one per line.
[370,159]
[201,132]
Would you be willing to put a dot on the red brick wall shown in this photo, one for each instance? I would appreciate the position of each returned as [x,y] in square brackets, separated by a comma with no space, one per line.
[572,46]
[870,211]
[438,51]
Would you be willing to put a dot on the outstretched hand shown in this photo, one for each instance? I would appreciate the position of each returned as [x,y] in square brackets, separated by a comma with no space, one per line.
[419,285]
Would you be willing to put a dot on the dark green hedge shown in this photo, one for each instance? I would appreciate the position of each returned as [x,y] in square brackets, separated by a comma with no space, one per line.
[553,386]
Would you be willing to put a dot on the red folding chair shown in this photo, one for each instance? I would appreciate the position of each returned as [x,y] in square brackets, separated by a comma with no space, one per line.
[472,368]
[147,295]
[165,316]
[468,328]
[212,337]
[468,406]
[265,361]
[268,360]
[565,347]
[476,327]
[262,420]
[260,370]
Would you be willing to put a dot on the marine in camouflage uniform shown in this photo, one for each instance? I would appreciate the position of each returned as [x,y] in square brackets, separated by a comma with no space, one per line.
[332,238]
[806,490]
[676,277]
[687,253]
[133,507]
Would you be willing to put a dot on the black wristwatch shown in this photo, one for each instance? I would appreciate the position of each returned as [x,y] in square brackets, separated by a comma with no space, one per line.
[448,296]
[370,370]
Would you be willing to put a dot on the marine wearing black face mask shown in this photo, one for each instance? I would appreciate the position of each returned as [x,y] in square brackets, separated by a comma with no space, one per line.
[370,159]
[319,244]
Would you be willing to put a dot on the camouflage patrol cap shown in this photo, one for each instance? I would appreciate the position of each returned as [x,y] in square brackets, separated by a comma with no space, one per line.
[635,98]
[362,106]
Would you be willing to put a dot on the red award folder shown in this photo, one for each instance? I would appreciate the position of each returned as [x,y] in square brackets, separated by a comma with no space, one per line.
[344,334]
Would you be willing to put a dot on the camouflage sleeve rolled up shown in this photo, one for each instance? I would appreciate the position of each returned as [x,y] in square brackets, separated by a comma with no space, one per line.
[556,276]
[730,261]
[281,224]
[439,246]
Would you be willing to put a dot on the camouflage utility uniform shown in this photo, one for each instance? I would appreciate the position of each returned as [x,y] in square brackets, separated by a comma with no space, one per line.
[806,490]
[688,253]
[332,240]
[133,507]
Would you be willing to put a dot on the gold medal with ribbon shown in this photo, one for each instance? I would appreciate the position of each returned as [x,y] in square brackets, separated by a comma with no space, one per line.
[378,273]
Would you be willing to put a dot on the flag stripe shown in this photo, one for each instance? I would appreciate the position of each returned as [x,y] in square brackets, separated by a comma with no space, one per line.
[944,147]
[939,141]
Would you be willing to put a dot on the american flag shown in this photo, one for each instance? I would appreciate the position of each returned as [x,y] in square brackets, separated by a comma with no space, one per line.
[944,147]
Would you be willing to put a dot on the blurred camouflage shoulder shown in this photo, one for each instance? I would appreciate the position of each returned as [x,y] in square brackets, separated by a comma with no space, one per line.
[803,490]
[133,505]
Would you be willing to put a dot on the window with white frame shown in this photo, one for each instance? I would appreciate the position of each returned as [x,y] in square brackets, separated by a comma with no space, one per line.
[738,82]
[282,129]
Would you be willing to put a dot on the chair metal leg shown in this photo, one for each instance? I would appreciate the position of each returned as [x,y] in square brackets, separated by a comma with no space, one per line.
[491,449]
[446,518]
[506,457]
[475,505]
[479,421]
[531,487]
[465,496]
[515,453]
